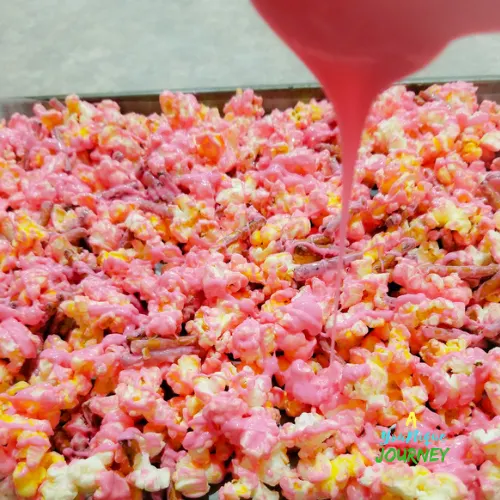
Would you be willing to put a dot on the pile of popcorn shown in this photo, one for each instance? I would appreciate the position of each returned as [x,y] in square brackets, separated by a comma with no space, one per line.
[166,300]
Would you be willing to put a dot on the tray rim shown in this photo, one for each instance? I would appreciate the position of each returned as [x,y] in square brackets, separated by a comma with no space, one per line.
[274,96]
[260,88]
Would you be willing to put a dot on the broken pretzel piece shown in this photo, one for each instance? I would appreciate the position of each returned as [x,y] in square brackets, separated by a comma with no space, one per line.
[464,272]
[242,233]
[306,271]
[139,345]
[305,252]
[388,259]
[489,289]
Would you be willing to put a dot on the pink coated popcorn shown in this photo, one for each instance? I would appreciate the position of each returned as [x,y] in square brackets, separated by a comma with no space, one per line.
[17,343]
[167,289]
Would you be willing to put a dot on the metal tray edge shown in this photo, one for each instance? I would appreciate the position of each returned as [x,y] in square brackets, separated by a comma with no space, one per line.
[275,97]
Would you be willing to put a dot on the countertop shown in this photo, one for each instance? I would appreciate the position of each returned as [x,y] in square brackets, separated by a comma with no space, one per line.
[53,47]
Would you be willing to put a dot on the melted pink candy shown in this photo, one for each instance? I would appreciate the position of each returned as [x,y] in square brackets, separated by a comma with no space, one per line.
[112,487]
[357,49]
[310,388]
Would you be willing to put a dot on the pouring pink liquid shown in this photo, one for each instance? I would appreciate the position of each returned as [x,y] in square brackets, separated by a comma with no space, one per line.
[358,48]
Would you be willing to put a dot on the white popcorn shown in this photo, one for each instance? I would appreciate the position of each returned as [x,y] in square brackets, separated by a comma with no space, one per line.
[147,477]
[65,482]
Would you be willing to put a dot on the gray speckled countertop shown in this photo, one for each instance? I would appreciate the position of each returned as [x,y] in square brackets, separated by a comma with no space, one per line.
[105,46]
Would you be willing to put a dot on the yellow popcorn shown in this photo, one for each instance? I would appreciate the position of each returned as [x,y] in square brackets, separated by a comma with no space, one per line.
[238,488]
[187,213]
[491,243]
[390,135]
[28,233]
[193,480]
[297,227]
[139,225]
[77,309]
[119,210]
[471,151]
[489,442]
[125,255]
[210,323]
[434,349]
[433,313]
[272,469]
[27,481]
[290,200]
[5,377]
[280,266]
[444,175]
[489,479]
[411,483]
[260,253]
[358,330]
[18,423]
[343,468]
[437,485]
[241,489]
[181,374]
[398,343]
[414,398]
[193,404]
[232,195]
[251,271]
[278,226]
[429,252]
[19,386]
[280,148]
[449,216]
[210,146]
[264,236]
[311,443]
[160,226]
[63,220]
[302,113]
[375,384]
[33,454]
[313,466]
[205,387]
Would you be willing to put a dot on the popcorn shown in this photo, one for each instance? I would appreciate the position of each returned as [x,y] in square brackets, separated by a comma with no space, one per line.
[167,288]
[193,479]
[17,343]
[343,468]
[146,477]
[65,482]
[415,482]
[489,479]
[489,442]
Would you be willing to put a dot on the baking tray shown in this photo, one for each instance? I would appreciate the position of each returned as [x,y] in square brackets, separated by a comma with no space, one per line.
[279,97]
